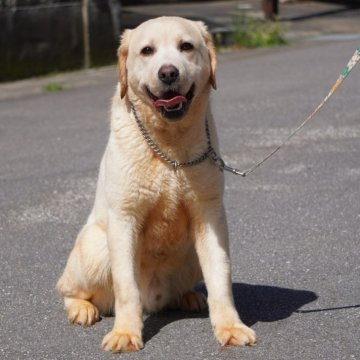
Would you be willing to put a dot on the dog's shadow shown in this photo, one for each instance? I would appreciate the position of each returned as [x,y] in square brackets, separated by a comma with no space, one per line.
[253,302]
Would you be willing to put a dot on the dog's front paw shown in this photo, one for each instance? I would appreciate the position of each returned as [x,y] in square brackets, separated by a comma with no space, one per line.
[116,342]
[238,335]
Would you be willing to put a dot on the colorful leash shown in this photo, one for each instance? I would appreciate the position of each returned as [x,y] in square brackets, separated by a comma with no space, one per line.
[343,75]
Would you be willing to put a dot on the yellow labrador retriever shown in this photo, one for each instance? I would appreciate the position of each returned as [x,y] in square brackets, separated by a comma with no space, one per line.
[158,225]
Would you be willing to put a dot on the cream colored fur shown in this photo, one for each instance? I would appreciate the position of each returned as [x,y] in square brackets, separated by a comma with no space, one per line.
[154,233]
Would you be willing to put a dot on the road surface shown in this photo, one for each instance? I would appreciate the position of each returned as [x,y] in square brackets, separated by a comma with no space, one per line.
[294,224]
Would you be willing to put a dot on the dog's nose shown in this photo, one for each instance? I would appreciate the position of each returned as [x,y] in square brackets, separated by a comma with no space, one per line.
[168,74]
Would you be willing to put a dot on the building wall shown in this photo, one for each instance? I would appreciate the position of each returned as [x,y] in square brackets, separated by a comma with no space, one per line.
[38,37]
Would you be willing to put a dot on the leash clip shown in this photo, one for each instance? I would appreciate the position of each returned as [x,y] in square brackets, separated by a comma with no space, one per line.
[220,163]
[233,170]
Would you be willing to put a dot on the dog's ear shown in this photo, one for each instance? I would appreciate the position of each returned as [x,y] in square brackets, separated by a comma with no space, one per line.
[122,57]
[211,49]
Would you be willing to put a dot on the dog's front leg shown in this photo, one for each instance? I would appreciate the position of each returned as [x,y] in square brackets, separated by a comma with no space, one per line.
[211,236]
[122,237]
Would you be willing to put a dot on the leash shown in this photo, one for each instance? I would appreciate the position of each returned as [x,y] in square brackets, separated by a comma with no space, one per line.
[343,75]
[210,153]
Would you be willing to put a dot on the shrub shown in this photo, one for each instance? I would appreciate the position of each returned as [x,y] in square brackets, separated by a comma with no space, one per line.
[250,32]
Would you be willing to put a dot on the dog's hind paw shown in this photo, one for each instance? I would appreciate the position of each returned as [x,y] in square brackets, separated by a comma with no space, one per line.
[117,342]
[193,301]
[81,312]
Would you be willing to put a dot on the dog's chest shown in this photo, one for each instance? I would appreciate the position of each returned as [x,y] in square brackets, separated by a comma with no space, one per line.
[166,227]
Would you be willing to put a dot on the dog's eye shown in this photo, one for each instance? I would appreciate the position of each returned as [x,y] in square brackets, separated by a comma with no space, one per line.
[186,46]
[147,50]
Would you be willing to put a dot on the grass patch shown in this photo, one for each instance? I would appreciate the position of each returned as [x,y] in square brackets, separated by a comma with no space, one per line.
[53,87]
[251,33]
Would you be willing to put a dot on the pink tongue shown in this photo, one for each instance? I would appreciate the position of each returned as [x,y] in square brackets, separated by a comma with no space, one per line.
[171,102]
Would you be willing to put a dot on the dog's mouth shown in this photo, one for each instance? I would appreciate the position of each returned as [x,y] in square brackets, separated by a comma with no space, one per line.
[172,104]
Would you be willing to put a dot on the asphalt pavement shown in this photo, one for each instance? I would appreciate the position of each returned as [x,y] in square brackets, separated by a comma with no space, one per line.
[294,223]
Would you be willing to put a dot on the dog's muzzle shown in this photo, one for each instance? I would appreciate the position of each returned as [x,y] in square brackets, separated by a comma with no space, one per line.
[172,104]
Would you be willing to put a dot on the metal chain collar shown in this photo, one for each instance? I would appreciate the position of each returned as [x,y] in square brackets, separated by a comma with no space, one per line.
[208,154]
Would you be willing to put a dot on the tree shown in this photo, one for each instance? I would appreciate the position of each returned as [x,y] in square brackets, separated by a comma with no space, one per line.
[270,9]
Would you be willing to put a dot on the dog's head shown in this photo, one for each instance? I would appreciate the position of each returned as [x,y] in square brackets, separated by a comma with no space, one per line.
[167,62]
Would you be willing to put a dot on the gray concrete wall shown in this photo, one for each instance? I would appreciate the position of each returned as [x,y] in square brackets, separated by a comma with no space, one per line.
[47,37]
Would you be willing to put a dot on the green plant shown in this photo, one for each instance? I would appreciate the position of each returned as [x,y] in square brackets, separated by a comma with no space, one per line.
[53,87]
[250,32]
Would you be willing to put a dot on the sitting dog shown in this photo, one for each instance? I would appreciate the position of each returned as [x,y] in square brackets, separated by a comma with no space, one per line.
[158,225]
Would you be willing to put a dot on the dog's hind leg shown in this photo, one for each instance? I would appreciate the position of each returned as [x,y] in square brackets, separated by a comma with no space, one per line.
[86,281]
[185,297]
